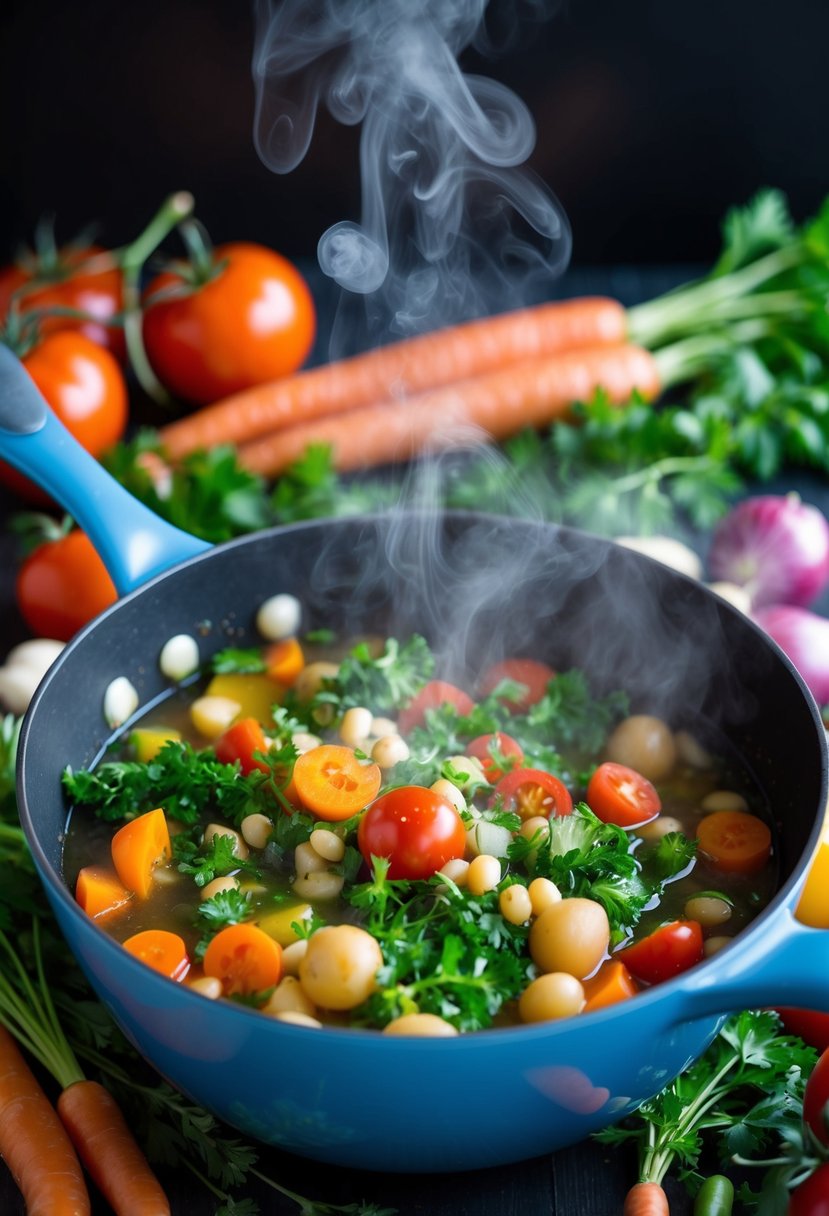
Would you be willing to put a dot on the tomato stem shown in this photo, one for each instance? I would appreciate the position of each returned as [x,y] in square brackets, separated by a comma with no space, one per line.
[132,259]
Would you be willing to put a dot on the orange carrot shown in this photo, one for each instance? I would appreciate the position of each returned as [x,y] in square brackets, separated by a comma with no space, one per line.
[99,892]
[109,1152]
[646,1199]
[245,958]
[33,1142]
[138,847]
[401,369]
[734,841]
[162,950]
[611,983]
[492,406]
[285,661]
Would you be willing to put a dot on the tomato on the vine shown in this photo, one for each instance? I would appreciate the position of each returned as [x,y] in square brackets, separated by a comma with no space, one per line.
[62,585]
[85,387]
[78,277]
[417,829]
[244,319]
[620,795]
[668,951]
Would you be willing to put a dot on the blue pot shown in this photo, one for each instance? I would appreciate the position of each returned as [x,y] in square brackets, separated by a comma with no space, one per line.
[479,587]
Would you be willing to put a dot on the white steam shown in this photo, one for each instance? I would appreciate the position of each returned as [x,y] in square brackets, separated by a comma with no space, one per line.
[452,224]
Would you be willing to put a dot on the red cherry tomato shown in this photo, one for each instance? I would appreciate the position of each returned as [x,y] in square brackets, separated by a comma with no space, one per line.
[811,1198]
[417,829]
[85,387]
[239,742]
[531,791]
[503,746]
[61,586]
[816,1099]
[668,951]
[69,279]
[431,696]
[535,677]
[809,1025]
[620,795]
[252,321]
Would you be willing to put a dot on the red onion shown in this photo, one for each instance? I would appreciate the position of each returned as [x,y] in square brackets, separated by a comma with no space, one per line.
[775,546]
[804,637]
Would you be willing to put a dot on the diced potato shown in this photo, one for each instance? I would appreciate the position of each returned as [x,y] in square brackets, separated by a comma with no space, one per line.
[147,741]
[254,694]
[212,715]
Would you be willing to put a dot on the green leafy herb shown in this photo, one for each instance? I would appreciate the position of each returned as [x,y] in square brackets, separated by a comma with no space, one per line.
[235,661]
[207,860]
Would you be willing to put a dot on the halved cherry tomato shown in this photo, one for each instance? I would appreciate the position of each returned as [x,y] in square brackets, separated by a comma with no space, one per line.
[534,675]
[668,951]
[811,1198]
[415,828]
[250,320]
[816,1099]
[620,795]
[162,950]
[330,781]
[239,742]
[432,696]
[734,841]
[531,791]
[62,586]
[503,746]
[85,387]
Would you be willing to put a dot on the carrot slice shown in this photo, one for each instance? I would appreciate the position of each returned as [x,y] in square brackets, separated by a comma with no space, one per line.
[331,782]
[734,841]
[611,983]
[285,661]
[138,847]
[245,958]
[162,950]
[99,892]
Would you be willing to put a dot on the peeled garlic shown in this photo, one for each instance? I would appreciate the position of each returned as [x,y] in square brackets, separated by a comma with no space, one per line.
[279,617]
[179,657]
[120,701]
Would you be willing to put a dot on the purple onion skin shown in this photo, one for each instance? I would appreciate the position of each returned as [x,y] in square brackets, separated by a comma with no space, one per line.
[775,546]
[804,637]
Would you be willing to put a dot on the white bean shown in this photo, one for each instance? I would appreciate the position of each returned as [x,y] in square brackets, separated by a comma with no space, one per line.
[515,904]
[307,860]
[227,883]
[389,750]
[319,885]
[356,725]
[179,657]
[292,956]
[256,830]
[327,844]
[280,616]
[240,849]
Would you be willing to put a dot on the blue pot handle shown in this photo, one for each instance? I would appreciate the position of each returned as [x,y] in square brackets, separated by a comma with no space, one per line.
[134,543]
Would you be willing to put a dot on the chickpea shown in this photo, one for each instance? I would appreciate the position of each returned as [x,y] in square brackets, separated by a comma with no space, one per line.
[289,997]
[515,904]
[327,844]
[543,893]
[309,681]
[384,726]
[457,870]
[240,849]
[708,910]
[307,860]
[554,995]
[536,823]
[449,791]
[256,830]
[421,1026]
[643,743]
[724,800]
[339,966]
[318,885]
[656,828]
[572,935]
[217,885]
[304,742]
[292,955]
[389,750]
[484,874]
[356,725]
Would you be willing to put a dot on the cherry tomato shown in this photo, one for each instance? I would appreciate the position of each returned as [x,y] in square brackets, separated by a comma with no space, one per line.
[809,1025]
[431,696]
[503,745]
[416,828]
[666,952]
[85,387]
[816,1099]
[61,586]
[531,791]
[535,677]
[811,1198]
[620,795]
[69,279]
[252,321]
[239,742]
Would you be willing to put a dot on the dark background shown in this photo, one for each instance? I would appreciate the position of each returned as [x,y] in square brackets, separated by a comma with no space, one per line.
[653,117]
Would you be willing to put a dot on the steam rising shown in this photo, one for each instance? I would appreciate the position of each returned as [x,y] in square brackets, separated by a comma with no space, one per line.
[452,225]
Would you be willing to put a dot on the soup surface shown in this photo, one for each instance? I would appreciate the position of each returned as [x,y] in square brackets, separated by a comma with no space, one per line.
[332,833]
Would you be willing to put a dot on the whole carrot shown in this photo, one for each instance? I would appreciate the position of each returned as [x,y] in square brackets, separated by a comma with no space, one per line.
[33,1142]
[492,406]
[401,369]
[109,1151]
[646,1199]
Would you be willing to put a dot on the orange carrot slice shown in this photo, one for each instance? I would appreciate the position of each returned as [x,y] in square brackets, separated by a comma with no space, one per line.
[138,847]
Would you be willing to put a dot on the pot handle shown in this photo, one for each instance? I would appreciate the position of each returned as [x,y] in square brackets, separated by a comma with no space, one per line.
[786,965]
[134,542]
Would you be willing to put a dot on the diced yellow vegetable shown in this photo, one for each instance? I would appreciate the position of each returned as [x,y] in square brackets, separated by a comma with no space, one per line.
[277,924]
[148,741]
[813,905]
[212,715]
[255,694]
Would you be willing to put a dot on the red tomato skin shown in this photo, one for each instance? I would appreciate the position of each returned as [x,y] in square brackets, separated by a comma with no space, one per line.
[562,802]
[431,696]
[85,387]
[808,1024]
[529,672]
[816,1099]
[417,829]
[100,294]
[253,322]
[811,1198]
[668,951]
[239,742]
[62,586]
[504,745]
[620,795]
